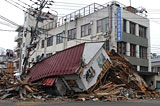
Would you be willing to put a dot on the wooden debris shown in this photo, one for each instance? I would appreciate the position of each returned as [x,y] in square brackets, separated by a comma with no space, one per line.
[119,82]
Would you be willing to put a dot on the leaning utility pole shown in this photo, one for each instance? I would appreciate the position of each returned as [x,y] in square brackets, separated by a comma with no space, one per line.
[34,34]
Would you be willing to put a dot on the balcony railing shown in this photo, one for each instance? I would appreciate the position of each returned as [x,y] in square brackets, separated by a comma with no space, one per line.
[80,13]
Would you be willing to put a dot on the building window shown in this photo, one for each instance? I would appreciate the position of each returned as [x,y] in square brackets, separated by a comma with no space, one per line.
[142,31]
[158,84]
[106,45]
[86,30]
[59,38]
[50,41]
[42,44]
[49,54]
[143,68]
[143,52]
[101,60]
[133,50]
[124,25]
[103,25]
[158,69]
[72,34]
[90,75]
[153,69]
[121,48]
[132,28]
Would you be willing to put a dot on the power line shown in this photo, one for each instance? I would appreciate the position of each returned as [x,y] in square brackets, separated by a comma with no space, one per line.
[25,4]
[6,24]
[22,7]
[9,21]
[69,3]
[19,8]
[7,30]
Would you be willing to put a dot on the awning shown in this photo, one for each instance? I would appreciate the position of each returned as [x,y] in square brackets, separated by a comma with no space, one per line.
[49,81]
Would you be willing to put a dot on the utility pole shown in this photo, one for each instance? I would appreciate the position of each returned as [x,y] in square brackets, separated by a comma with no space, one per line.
[130,2]
[34,35]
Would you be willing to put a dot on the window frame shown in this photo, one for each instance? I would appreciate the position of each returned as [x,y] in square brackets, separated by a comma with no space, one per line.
[72,34]
[142,31]
[103,25]
[42,43]
[50,41]
[124,25]
[132,50]
[86,30]
[132,28]
[60,38]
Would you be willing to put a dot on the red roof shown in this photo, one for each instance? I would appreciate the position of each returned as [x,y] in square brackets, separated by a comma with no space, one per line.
[62,63]
[49,81]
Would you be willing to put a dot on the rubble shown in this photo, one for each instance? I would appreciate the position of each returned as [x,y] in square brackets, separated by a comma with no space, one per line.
[117,82]
[12,87]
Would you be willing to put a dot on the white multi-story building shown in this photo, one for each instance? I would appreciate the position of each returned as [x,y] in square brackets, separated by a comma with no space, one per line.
[121,27]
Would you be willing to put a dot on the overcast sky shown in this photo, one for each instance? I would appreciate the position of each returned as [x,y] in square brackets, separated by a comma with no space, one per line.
[16,15]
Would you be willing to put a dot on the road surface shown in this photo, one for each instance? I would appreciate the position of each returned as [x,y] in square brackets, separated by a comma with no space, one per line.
[87,103]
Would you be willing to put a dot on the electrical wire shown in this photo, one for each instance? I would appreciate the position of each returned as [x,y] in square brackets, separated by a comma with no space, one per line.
[9,21]
[6,24]
[69,3]
[19,8]
[7,30]
[26,4]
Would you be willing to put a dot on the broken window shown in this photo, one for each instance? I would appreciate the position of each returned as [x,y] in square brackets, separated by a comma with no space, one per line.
[90,75]
[100,60]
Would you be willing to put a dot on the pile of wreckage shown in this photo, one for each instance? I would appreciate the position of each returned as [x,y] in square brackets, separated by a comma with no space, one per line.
[83,72]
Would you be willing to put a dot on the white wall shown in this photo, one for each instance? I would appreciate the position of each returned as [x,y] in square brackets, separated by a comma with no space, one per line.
[94,64]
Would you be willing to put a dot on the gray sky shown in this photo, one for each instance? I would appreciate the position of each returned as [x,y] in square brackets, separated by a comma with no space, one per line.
[17,16]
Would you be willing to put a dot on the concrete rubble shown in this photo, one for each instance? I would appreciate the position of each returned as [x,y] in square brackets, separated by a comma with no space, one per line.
[117,81]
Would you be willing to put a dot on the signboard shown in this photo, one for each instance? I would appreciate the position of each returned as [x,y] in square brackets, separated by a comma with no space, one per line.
[119,26]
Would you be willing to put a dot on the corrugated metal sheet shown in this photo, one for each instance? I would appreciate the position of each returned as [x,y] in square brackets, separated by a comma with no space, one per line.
[63,63]
[49,81]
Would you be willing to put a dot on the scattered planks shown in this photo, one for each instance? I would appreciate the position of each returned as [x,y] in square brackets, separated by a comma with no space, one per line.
[13,87]
[118,81]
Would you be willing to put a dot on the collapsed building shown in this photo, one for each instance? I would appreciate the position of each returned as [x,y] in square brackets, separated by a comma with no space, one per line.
[75,69]
[85,72]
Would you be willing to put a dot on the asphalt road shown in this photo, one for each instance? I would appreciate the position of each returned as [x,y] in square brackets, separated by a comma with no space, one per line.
[90,103]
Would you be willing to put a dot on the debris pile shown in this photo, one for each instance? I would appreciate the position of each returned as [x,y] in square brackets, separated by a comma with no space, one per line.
[119,82]
[116,82]
[15,88]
